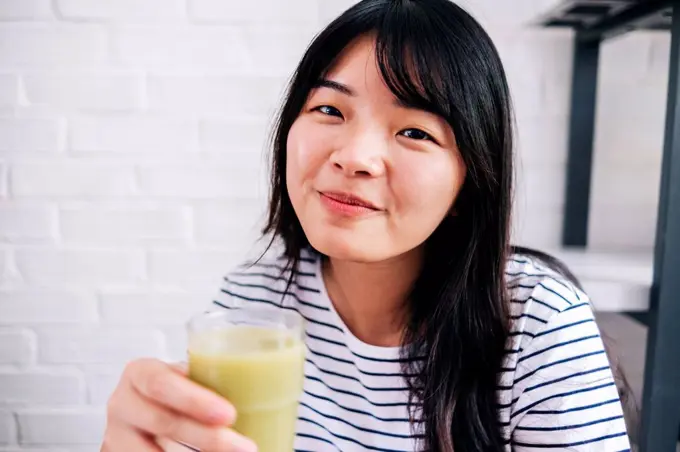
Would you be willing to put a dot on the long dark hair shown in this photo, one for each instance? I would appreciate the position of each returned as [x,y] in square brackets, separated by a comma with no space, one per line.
[434,55]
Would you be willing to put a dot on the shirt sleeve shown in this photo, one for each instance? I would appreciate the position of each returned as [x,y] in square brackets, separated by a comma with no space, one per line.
[564,393]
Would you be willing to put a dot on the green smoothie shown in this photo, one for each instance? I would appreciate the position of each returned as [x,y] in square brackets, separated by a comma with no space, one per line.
[260,371]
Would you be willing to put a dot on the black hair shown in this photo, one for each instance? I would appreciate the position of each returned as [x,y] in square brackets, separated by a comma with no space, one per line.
[435,56]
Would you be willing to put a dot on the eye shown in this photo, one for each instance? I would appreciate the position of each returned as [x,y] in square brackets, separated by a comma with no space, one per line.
[328,110]
[417,134]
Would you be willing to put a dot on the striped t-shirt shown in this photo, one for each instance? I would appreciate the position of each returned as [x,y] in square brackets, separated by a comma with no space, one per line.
[556,389]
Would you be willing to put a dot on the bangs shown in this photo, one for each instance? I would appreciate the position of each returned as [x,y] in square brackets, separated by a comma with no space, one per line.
[411,60]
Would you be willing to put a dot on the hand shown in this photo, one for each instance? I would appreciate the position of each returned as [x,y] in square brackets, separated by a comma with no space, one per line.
[156,402]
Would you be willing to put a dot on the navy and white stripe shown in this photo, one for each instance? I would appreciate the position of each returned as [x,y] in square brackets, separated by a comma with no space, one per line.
[556,389]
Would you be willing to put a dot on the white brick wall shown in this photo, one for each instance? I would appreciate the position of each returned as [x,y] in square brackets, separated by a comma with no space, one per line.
[121,10]
[68,91]
[9,90]
[133,135]
[43,387]
[8,434]
[60,426]
[24,9]
[34,45]
[132,175]
[20,220]
[21,135]
[17,347]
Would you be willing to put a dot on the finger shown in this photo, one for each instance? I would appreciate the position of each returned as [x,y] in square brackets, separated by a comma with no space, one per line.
[156,381]
[181,368]
[162,422]
[125,439]
[169,445]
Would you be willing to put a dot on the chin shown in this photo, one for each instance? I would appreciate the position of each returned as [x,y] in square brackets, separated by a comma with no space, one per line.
[353,249]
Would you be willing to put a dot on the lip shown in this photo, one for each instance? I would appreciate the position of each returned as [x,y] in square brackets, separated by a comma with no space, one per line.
[346,203]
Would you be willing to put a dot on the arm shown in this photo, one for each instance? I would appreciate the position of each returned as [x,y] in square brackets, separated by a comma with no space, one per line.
[564,393]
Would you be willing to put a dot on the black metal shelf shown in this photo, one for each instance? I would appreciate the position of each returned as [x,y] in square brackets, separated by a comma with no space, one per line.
[608,18]
[595,21]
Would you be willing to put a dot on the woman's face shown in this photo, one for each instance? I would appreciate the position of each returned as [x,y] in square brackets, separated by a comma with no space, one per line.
[369,178]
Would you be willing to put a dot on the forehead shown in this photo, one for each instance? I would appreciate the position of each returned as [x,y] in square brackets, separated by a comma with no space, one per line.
[356,66]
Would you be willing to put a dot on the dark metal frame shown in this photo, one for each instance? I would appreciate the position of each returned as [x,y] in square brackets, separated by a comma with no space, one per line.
[661,395]
[581,135]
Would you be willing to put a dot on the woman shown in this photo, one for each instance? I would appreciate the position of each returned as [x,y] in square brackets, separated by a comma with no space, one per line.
[391,195]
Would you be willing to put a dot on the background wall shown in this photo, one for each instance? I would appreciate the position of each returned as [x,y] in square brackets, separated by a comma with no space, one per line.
[131,173]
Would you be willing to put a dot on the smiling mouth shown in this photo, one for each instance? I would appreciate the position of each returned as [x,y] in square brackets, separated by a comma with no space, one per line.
[349,200]
[346,204]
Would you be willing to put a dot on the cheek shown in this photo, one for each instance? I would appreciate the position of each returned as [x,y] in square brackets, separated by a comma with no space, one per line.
[428,188]
[304,152]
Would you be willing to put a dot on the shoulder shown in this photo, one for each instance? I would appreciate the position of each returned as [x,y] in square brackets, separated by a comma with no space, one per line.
[538,295]
[559,390]
[268,279]
[548,313]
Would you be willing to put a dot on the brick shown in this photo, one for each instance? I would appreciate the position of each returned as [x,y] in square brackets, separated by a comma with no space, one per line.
[26,221]
[122,10]
[101,383]
[8,428]
[639,101]
[542,140]
[540,186]
[9,90]
[227,137]
[68,426]
[330,10]
[622,226]
[4,256]
[95,447]
[155,308]
[17,347]
[120,226]
[236,223]
[660,51]
[495,14]
[97,345]
[203,181]
[87,267]
[71,179]
[537,227]
[277,50]
[31,135]
[627,58]
[238,96]
[190,47]
[624,184]
[72,45]
[41,449]
[41,306]
[531,53]
[84,91]
[25,9]
[527,95]
[635,142]
[133,135]
[268,11]
[176,339]
[41,387]
[4,184]
[185,268]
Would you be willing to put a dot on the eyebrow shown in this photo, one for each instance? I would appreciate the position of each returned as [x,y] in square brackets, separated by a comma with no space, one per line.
[344,89]
[337,86]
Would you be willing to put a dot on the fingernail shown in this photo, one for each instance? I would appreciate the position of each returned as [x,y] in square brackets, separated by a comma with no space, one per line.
[243,444]
[223,414]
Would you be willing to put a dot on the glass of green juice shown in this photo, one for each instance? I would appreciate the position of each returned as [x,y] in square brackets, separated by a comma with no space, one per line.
[253,357]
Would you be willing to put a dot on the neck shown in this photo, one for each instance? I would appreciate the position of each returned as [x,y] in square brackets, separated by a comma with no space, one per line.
[372,298]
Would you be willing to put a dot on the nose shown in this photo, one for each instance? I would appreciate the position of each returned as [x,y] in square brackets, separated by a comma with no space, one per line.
[362,156]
